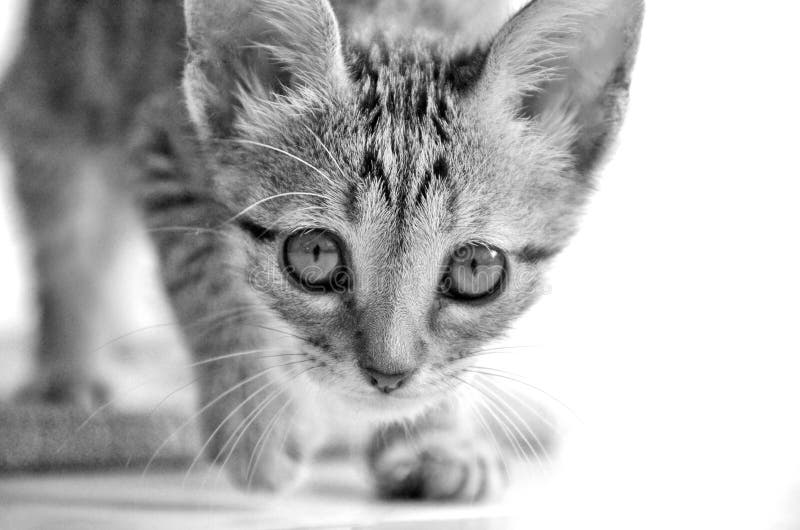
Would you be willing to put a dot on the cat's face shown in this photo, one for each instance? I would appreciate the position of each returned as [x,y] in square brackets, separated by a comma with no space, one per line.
[397,205]
[409,243]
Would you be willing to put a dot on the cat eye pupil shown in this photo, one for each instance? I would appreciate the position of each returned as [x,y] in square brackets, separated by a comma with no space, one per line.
[475,271]
[313,259]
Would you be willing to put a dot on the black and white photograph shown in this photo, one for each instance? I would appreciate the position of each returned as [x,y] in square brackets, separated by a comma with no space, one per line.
[399,265]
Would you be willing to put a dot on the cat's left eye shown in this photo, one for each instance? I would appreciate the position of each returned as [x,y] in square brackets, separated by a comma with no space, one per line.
[314,259]
[475,271]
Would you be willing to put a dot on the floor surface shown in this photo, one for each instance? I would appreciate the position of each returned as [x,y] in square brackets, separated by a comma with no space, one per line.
[337,496]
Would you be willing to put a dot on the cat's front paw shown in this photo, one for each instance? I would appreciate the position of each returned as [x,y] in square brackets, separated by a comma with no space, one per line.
[437,466]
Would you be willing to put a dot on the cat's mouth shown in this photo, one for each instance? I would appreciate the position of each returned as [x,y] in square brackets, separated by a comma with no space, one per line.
[407,402]
[384,396]
[348,391]
[385,407]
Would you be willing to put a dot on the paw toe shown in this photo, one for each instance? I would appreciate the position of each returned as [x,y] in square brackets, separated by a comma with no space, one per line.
[437,474]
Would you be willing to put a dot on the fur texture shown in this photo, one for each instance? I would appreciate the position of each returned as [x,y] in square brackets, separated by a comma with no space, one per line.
[406,145]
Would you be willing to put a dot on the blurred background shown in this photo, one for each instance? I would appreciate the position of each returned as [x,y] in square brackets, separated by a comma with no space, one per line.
[671,329]
[15,308]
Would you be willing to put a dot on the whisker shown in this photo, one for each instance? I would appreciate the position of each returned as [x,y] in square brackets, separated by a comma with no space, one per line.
[502,422]
[174,392]
[241,428]
[160,404]
[255,454]
[208,406]
[221,424]
[251,465]
[325,148]
[248,420]
[213,322]
[412,440]
[493,351]
[243,354]
[492,410]
[310,208]
[286,432]
[500,403]
[224,317]
[101,408]
[501,454]
[132,333]
[523,404]
[271,198]
[267,328]
[485,426]
[197,230]
[504,374]
[290,155]
[158,326]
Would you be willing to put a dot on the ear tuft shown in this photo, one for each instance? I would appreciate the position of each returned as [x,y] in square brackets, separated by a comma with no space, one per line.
[259,50]
[566,65]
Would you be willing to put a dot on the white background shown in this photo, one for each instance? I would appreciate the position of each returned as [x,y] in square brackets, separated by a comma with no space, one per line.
[672,327]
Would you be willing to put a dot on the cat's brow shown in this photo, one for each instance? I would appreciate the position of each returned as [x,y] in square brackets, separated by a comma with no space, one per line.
[328,151]
[533,253]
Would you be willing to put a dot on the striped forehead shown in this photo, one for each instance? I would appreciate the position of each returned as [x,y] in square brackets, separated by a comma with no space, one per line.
[405,98]
[403,89]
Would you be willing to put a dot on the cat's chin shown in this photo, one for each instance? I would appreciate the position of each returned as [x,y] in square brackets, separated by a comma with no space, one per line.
[382,408]
[370,405]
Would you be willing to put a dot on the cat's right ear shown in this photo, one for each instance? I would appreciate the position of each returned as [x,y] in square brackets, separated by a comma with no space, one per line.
[244,53]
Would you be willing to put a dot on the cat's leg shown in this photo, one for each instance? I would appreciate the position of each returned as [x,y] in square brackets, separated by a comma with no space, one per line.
[71,214]
[445,455]
[257,421]
[254,411]
[256,415]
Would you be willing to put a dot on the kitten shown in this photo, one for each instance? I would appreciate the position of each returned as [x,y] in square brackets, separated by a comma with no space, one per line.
[344,214]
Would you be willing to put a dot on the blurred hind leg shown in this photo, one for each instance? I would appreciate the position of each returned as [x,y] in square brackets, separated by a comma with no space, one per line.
[66,368]
[73,211]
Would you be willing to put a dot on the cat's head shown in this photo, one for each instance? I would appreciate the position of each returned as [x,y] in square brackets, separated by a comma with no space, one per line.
[401,198]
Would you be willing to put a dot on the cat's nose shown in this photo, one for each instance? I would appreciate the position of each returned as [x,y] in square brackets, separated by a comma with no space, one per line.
[386,383]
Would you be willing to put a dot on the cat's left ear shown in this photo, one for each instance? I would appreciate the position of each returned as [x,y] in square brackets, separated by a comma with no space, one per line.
[566,66]
[245,55]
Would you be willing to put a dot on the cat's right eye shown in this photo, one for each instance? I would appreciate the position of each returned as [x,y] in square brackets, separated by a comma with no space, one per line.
[314,259]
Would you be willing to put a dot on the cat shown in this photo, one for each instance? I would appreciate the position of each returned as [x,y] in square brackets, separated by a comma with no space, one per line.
[348,200]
